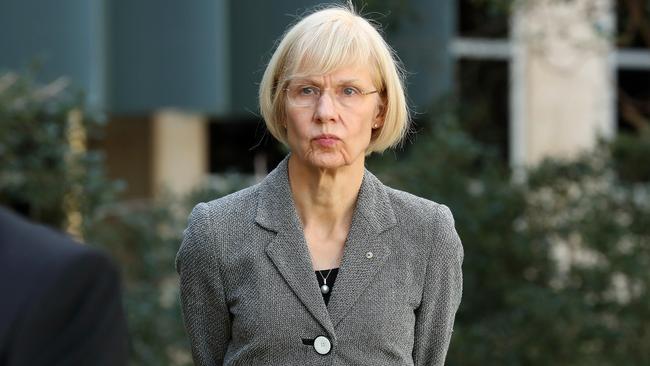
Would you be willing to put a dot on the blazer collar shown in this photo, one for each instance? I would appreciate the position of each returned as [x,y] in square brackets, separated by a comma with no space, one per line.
[276,209]
[363,254]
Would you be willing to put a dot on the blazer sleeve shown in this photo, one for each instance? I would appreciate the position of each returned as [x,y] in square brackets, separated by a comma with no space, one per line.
[443,287]
[205,312]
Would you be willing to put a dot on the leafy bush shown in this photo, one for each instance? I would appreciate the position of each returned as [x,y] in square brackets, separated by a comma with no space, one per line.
[555,268]
[39,167]
[630,154]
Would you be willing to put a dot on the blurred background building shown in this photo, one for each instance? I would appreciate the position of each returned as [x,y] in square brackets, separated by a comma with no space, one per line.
[178,80]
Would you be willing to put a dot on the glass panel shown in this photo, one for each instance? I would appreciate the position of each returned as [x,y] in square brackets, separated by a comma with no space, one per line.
[633,21]
[633,100]
[482,88]
[234,145]
[483,18]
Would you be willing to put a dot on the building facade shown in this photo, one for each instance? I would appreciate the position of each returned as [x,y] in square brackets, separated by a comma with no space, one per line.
[178,80]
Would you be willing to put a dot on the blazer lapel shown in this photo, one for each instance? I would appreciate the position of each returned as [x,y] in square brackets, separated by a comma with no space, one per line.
[294,264]
[364,253]
[288,250]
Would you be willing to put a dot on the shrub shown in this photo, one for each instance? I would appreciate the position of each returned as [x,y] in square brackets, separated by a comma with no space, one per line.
[555,268]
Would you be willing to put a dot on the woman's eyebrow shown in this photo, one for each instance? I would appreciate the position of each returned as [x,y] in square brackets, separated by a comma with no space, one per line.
[346,81]
[317,82]
[307,80]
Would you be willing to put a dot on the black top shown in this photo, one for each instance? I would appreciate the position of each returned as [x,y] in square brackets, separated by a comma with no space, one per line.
[327,276]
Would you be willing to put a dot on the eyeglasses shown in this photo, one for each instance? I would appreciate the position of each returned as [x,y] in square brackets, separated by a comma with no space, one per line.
[305,95]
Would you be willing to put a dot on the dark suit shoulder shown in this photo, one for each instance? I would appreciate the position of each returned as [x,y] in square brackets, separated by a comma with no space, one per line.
[83,320]
[58,288]
[34,252]
[39,245]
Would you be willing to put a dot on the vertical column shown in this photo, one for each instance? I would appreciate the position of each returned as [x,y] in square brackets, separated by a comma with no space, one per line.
[565,100]
[180,151]
[518,135]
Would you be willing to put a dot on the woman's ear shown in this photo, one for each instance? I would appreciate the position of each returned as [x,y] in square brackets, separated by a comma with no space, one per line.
[380,114]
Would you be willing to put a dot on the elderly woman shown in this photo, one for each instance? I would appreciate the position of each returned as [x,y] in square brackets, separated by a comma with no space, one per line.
[320,263]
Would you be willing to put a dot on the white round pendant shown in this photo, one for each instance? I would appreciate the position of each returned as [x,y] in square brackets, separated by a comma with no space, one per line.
[324,289]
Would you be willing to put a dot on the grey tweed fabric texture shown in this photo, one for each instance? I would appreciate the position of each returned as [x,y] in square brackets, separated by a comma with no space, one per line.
[250,296]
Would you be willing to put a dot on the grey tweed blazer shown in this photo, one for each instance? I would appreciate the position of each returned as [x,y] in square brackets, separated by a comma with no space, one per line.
[250,295]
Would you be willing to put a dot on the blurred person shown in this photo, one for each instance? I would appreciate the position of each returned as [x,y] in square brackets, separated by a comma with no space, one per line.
[60,300]
[320,263]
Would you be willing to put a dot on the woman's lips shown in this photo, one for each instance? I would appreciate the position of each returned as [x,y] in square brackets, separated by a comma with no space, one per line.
[326,140]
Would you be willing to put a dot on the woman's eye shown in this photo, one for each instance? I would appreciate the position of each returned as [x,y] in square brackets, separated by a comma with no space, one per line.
[308,90]
[349,91]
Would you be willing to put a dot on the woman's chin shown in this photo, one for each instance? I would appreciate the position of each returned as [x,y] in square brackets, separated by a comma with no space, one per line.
[327,160]
[329,163]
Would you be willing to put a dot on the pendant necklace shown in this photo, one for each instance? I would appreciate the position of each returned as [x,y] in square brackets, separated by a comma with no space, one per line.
[324,289]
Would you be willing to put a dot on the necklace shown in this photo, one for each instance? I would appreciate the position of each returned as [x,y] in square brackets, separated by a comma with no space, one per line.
[324,289]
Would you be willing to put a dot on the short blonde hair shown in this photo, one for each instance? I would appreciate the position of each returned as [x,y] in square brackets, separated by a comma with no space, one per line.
[319,44]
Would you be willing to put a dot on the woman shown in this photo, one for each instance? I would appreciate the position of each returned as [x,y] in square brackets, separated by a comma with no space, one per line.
[320,263]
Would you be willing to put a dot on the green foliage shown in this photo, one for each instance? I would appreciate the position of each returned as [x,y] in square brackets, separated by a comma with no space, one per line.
[630,154]
[36,159]
[555,268]
[602,225]
[144,237]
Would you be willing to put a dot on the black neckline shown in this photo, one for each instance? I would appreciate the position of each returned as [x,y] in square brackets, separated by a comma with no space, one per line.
[325,270]
[331,279]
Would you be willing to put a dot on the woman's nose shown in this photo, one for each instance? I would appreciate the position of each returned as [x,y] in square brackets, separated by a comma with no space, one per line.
[325,109]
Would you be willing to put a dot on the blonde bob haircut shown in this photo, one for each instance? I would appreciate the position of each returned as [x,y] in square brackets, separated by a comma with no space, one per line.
[322,42]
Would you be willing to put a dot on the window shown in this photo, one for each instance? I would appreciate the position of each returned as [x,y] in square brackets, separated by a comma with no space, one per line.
[482,54]
[242,146]
[633,58]
[482,19]
[482,88]
[483,46]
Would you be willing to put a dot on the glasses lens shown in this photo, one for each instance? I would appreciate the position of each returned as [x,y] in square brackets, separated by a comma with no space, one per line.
[349,96]
[303,95]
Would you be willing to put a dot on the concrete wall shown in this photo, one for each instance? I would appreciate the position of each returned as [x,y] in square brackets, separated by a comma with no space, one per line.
[166,53]
[62,38]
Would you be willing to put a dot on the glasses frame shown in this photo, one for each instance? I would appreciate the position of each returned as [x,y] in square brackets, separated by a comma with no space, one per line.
[361,92]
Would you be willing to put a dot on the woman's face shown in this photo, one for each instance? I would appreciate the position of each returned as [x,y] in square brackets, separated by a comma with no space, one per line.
[335,130]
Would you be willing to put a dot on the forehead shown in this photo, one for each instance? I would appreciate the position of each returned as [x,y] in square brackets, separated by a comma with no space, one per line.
[348,73]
